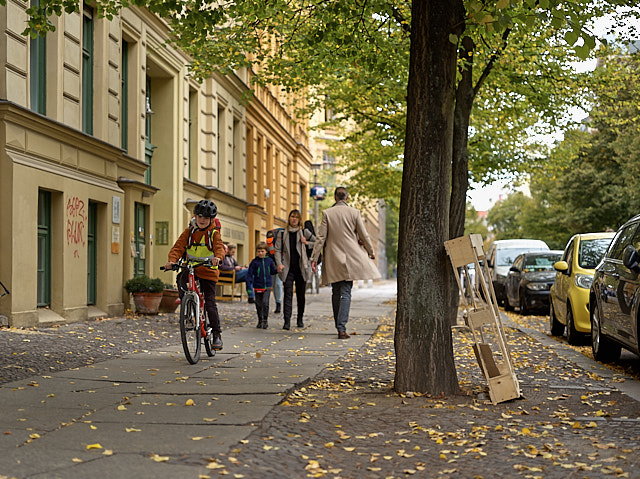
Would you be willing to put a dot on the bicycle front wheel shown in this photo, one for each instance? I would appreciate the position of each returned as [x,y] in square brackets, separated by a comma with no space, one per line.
[209,338]
[189,330]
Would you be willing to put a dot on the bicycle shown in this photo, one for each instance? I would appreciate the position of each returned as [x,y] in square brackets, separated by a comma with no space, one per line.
[194,321]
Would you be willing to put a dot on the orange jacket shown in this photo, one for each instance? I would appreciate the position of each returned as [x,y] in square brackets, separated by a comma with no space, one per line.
[180,247]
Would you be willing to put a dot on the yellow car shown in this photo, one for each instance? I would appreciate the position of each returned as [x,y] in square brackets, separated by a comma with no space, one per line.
[569,295]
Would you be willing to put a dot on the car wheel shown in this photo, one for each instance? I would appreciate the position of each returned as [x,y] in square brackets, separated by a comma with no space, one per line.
[507,304]
[573,336]
[603,349]
[523,304]
[555,326]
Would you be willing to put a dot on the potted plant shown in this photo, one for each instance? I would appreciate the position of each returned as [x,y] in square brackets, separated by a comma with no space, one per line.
[147,293]
[169,301]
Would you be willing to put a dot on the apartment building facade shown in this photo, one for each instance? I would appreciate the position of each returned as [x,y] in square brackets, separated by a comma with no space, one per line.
[106,143]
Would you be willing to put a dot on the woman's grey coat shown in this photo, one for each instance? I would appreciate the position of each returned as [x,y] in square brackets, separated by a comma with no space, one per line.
[283,253]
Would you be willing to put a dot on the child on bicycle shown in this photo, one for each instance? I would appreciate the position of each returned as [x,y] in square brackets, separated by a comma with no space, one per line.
[200,241]
[259,274]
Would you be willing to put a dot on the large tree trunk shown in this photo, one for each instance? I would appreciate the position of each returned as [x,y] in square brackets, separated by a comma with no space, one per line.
[423,336]
[460,160]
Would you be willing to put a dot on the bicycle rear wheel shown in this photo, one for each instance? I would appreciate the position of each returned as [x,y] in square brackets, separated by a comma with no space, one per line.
[189,330]
[209,338]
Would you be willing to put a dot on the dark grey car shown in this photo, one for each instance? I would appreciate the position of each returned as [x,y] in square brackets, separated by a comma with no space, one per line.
[614,296]
[529,280]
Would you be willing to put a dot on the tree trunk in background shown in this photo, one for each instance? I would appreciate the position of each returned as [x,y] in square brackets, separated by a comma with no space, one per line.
[460,160]
[423,341]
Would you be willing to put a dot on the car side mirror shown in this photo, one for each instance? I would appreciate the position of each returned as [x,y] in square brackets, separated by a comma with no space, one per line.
[561,266]
[630,259]
[514,269]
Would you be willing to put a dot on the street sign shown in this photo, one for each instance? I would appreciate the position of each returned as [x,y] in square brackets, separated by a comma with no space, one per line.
[318,192]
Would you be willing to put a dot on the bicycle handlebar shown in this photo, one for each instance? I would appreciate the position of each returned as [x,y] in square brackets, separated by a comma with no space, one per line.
[185,265]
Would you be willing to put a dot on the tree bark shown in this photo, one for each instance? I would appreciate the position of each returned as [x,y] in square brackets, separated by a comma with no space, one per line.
[423,341]
[460,159]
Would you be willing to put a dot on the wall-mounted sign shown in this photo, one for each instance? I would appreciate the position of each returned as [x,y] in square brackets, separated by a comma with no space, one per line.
[115,209]
[115,239]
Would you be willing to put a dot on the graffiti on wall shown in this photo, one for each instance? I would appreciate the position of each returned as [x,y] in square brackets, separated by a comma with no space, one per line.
[76,222]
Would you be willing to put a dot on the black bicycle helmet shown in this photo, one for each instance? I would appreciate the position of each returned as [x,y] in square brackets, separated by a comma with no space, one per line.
[206,208]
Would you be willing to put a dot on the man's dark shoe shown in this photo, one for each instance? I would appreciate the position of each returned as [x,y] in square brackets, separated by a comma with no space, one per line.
[287,325]
[300,323]
[277,308]
[251,300]
[343,335]
[217,342]
[259,325]
[265,325]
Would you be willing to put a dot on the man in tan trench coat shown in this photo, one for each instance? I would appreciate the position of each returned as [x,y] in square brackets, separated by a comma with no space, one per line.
[339,237]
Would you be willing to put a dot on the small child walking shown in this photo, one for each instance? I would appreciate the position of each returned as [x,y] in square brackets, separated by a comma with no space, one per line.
[259,282]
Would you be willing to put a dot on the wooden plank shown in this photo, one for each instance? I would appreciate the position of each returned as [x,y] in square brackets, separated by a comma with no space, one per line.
[485,359]
[480,317]
[503,388]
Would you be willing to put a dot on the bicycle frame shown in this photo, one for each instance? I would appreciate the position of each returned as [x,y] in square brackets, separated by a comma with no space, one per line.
[193,288]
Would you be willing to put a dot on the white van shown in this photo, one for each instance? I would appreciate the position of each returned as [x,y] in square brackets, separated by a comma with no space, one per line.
[500,257]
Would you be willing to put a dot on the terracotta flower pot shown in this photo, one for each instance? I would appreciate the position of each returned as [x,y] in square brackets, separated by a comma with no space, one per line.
[147,303]
[169,301]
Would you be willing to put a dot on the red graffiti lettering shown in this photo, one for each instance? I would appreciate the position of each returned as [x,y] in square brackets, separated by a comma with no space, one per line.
[76,218]
[75,208]
[75,232]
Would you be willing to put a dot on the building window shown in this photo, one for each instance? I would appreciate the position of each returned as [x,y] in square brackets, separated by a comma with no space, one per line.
[38,70]
[87,71]
[44,249]
[193,135]
[124,97]
[220,143]
[148,146]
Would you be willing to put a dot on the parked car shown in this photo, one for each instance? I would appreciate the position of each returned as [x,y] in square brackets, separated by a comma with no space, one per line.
[500,257]
[569,296]
[614,297]
[529,280]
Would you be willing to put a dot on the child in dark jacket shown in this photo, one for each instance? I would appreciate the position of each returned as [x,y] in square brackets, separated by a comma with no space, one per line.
[259,282]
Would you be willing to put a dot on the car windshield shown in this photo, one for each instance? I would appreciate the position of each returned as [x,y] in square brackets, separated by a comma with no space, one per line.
[543,262]
[591,252]
[506,257]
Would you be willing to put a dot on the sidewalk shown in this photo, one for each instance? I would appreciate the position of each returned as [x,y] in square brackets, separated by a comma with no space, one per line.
[151,414]
[340,417]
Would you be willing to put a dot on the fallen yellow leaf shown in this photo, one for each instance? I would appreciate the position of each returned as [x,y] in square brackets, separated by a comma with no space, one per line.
[94,446]
[190,402]
[157,458]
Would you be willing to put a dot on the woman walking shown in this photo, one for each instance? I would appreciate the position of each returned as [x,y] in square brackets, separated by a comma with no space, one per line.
[293,265]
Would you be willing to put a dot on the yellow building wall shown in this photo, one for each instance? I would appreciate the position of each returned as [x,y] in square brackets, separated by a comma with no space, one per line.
[203,149]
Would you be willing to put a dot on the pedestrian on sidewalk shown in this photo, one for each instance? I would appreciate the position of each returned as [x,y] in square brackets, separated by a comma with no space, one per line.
[293,265]
[271,252]
[230,264]
[341,236]
[201,240]
[259,282]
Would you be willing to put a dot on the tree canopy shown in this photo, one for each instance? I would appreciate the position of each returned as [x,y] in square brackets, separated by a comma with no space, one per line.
[589,182]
